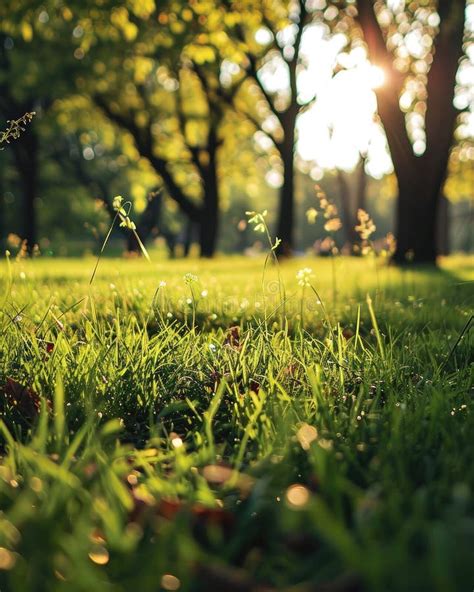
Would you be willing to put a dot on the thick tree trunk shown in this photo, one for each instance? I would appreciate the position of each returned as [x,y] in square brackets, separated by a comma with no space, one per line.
[417,207]
[286,213]
[209,223]
[443,226]
[286,209]
[25,151]
[208,230]
[30,214]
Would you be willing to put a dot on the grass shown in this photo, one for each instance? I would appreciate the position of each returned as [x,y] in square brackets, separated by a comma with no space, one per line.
[205,435]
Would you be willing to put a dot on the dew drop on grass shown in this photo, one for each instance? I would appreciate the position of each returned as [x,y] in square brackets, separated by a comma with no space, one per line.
[99,555]
[176,441]
[36,484]
[306,435]
[297,496]
[170,582]
[132,479]
[7,559]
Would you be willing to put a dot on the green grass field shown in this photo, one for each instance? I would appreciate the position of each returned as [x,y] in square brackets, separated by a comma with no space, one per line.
[233,430]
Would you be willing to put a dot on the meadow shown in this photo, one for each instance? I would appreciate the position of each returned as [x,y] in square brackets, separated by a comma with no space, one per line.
[231,425]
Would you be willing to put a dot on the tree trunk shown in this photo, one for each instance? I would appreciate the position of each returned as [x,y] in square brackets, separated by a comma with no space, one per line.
[30,219]
[209,223]
[286,214]
[149,220]
[25,151]
[361,196]
[348,213]
[352,200]
[208,230]
[443,226]
[416,220]
[188,237]
[3,226]
[286,210]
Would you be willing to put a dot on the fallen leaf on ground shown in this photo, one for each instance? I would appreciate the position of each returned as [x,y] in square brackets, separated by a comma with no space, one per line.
[22,398]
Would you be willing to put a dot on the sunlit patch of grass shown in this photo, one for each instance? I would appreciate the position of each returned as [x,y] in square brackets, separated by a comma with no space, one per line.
[199,432]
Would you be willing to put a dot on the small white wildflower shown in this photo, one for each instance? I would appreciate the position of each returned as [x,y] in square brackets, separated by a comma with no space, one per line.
[190,278]
[162,284]
[169,315]
[304,276]
[127,223]
[189,301]
[257,220]
[204,293]
[117,202]
[176,442]
[22,275]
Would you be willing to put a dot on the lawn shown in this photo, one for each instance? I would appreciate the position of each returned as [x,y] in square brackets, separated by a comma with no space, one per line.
[228,426]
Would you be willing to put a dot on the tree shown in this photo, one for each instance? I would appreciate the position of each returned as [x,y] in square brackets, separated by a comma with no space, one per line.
[25,152]
[93,159]
[283,24]
[26,32]
[165,95]
[201,156]
[420,166]
[353,196]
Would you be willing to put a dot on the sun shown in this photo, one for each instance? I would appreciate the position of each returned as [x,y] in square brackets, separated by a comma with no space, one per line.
[376,77]
[342,125]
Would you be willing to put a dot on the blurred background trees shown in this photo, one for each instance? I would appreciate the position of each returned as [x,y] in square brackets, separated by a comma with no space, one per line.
[197,111]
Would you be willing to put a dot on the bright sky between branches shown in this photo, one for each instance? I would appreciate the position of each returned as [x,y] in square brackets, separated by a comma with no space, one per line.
[341,124]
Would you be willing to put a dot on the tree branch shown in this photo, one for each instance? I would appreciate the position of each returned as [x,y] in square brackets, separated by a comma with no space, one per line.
[193,150]
[369,24]
[388,94]
[252,71]
[441,113]
[269,25]
[144,146]
[293,63]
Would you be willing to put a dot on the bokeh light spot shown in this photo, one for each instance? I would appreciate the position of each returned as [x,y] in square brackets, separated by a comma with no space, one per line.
[297,496]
